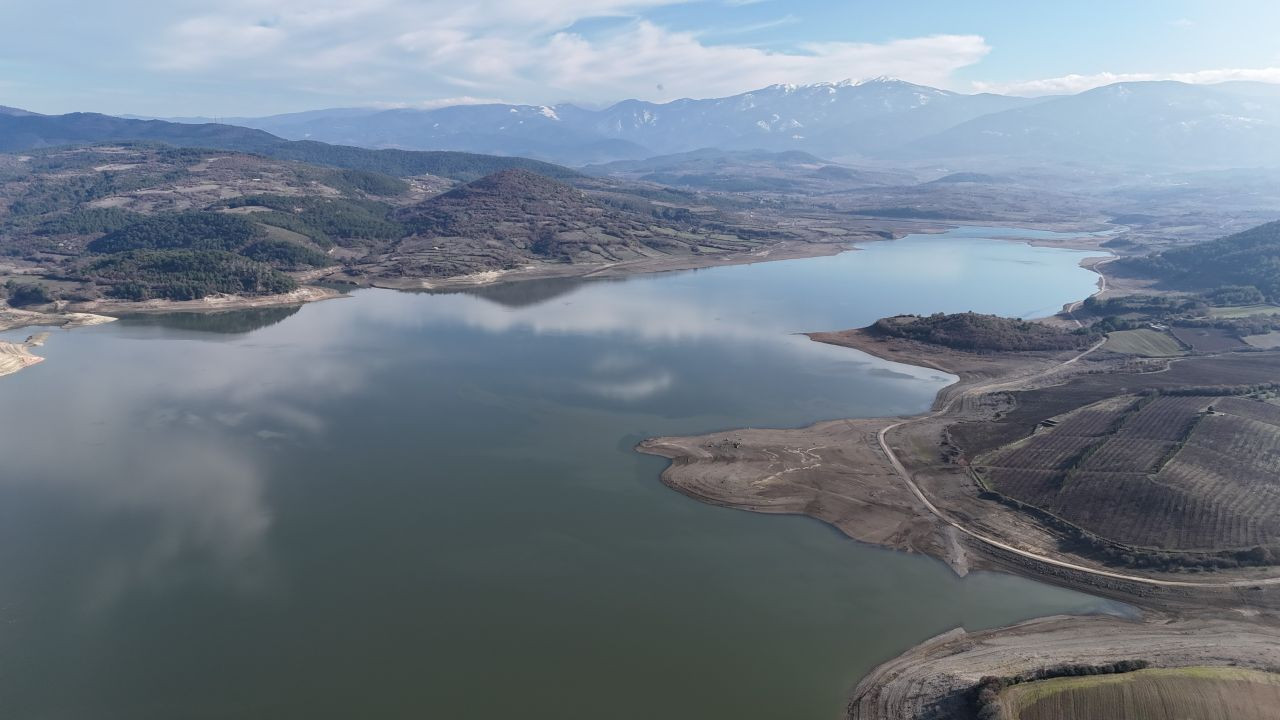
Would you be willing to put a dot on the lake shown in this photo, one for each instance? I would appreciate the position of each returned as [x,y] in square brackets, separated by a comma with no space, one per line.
[402,505]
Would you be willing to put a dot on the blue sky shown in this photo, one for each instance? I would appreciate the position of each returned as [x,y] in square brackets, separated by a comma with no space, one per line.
[252,57]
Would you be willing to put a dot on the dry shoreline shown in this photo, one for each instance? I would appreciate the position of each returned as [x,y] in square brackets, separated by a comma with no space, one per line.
[18,356]
[210,304]
[837,472]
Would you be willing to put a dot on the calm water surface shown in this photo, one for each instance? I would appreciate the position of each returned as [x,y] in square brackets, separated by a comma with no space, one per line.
[413,506]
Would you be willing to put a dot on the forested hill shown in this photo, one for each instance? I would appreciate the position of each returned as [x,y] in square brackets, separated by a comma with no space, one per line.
[143,220]
[1249,258]
[975,332]
[26,132]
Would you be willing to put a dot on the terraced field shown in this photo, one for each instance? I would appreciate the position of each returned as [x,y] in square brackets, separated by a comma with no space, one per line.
[1169,473]
[1197,693]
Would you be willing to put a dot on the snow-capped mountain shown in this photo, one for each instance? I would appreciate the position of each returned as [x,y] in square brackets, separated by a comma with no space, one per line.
[835,119]
[1165,124]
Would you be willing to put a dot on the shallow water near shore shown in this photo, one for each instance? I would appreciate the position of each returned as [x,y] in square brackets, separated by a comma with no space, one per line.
[406,505]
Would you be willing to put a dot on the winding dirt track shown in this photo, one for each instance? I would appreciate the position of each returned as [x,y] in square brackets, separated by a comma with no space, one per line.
[993,386]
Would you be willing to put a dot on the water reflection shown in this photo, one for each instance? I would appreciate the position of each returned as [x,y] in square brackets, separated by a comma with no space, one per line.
[415,498]
[235,322]
[530,292]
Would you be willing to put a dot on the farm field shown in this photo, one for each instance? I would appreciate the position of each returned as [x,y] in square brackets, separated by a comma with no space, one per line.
[1169,473]
[1239,311]
[1268,341]
[1033,407]
[1207,339]
[1144,341]
[1195,693]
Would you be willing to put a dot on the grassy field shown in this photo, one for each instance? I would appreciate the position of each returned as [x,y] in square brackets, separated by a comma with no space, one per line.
[1239,311]
[1196,693]
[1270,341]
[1144,342]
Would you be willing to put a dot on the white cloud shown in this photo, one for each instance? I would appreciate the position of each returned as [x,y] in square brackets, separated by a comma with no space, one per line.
[440,102]
[644,55]
[524,50]
[205,42]
[1079,83]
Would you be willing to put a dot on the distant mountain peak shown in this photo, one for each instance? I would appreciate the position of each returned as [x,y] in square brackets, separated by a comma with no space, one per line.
[840,118]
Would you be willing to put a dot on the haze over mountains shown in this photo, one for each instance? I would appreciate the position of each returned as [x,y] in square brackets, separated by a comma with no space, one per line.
[1152,125]
[829,118]
[1167,124]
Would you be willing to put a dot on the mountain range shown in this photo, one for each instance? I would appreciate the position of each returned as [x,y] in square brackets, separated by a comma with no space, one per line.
[883,122]
[830,119]
[1168,124]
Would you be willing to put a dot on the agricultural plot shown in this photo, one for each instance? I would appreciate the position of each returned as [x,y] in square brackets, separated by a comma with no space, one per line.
[1207,339]
[1240,311]
[1205,693]
[1129,455]
[1210,501]
[1144,342]
[1046,451]
[1034,487]
[1262,412]
[1035,407]
[1184,473]
[1101,418]
[1267,341]
[1242,440]
[1165,418]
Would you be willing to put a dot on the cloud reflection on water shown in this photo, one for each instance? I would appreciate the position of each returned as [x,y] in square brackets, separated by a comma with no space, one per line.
[191,420]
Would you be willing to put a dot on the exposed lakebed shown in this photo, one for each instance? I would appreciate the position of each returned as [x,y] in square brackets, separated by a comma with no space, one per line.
[399,505]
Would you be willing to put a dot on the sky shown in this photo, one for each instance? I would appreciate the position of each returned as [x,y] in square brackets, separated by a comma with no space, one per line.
[227,58]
